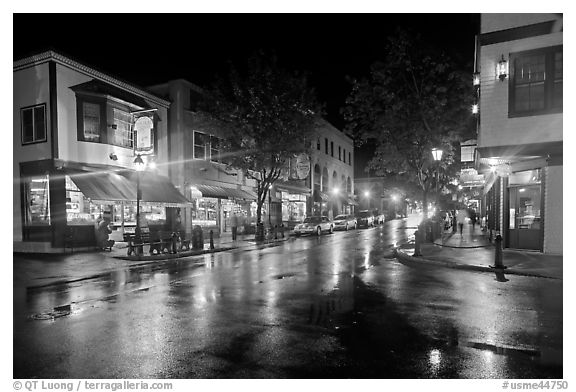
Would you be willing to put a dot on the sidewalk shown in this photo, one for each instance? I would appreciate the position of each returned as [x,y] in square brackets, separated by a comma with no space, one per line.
[472,251]
[34,271]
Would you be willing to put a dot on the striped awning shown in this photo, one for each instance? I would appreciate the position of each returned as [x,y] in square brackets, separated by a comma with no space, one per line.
[218,192]
[120,186]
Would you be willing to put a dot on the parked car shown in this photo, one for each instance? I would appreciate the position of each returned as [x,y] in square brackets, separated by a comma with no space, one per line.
[314,225]
[345,222]
[365,218]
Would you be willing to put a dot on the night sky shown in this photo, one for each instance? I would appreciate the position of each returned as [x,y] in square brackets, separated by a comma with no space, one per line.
[147,49]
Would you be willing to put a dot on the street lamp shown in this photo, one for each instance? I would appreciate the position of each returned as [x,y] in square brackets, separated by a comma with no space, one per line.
[367,196]
[437,154]
[335,192]
[139,166]
[270,205]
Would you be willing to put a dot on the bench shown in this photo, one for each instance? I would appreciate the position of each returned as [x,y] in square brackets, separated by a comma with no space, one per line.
[158,241]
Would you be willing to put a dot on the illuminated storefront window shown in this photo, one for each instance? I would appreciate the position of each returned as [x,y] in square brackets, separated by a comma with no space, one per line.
[79,210]
[82,211]
[293,207]
[37,194]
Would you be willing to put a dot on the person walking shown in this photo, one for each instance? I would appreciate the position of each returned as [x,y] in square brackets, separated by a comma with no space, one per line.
[473,218]
[461,219]
[234,225]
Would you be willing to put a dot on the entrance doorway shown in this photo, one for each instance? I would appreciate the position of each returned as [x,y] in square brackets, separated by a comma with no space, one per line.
[525,217]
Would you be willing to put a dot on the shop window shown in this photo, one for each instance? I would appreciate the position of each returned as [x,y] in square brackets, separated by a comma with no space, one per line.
[525,177]
[37,201]
[536,82]
[79,210]
[153,214]
[123,133]
[92,119]
[33,120]
[204,212]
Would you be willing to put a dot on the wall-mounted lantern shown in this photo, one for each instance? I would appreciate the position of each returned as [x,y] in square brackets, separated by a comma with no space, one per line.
[476,79]
[502,69]
[475,108]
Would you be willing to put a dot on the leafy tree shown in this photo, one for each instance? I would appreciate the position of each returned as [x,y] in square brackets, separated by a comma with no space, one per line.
[267,114]
[414,100]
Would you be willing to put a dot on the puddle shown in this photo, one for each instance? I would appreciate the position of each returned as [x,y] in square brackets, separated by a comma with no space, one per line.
[59,311]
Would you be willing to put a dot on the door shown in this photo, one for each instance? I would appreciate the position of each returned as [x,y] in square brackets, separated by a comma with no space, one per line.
[525,220]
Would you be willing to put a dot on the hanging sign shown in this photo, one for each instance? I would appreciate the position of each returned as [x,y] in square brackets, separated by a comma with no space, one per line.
[143,128]
[299,167]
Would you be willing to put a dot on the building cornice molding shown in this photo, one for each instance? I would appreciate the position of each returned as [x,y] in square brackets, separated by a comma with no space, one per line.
[65,61]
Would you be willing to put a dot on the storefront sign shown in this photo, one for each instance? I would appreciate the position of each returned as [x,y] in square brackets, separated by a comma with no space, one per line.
[299,167]
[144,136]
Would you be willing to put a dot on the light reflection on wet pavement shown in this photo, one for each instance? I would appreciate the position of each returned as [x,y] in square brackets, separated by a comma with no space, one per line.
[337,306]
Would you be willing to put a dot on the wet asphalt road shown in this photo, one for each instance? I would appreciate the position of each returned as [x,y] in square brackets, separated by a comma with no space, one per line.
[338,306]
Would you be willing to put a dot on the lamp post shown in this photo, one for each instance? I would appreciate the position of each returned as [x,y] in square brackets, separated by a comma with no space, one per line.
[139,166]
[437,154]
[367,196]
[394,203]
[335,192]
[270,206]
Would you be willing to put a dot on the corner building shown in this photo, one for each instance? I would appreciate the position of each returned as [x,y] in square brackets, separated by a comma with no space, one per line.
[76,134]
[520,62]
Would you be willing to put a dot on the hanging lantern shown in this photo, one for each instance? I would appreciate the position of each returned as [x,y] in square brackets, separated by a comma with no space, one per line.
[475,108]
[502,69]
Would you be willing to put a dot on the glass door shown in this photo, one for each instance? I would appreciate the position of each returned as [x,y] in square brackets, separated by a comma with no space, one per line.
[525,217]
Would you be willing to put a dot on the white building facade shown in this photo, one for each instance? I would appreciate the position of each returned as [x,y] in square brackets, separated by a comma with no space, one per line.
[520,62]
[76,133]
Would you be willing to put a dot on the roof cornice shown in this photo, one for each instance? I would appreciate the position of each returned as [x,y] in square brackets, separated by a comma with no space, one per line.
[65,61]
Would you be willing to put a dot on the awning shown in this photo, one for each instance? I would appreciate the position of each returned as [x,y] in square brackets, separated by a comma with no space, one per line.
[107,186]
[294,189]
[224,193]
[157,189]
[351,202]
[104,186]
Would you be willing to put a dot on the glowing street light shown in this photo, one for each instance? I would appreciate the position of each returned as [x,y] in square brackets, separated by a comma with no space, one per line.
[437,154]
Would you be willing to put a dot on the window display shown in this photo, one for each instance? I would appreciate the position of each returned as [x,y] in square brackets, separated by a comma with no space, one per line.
[204,211]
[37,193]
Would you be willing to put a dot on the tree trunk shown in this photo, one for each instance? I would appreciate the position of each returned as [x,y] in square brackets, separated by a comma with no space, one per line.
[425,203]
[259,212]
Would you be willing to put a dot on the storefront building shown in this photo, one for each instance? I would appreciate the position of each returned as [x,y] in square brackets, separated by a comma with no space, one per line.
[76,134]
[199,170]
[520,63]
[332,172]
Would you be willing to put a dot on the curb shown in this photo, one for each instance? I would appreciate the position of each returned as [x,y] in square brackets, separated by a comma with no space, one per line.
[170,256]
[406,258]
